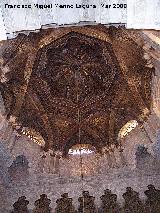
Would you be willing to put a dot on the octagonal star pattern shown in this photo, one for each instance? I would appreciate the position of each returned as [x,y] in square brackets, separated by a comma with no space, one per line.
[77,88]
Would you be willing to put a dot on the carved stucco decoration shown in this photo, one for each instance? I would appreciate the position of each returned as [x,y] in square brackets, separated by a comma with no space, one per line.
[83,80]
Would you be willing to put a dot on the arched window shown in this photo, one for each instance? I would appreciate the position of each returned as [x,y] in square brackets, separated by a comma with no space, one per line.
[79,149]
[127,128]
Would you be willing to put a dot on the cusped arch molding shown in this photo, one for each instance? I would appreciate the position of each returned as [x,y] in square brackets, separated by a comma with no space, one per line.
[33,136]
[127,128]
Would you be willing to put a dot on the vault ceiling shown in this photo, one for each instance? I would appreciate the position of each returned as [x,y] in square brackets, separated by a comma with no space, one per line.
[77,87]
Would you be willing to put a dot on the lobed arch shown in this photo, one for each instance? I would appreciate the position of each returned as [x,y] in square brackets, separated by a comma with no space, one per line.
[126,129]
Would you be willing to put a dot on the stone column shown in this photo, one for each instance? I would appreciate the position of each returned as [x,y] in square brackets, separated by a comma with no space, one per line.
[109,160]
[156,88]
[41,162]
[49,161]
[52,162]
[109,153]
[113,158]
[122,158]
[98,163]
[58,156]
